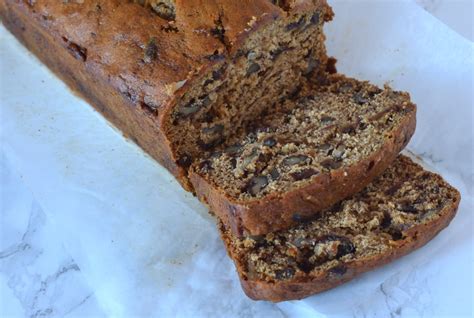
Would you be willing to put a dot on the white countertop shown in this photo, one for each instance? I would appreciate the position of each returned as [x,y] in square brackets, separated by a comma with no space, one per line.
[57,259]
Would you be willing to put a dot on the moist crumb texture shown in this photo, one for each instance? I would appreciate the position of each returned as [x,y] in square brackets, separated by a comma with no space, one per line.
[270,65]
[372,224]
[331,128]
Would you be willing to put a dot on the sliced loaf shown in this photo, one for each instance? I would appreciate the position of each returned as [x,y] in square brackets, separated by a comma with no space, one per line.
[400,211]
[311,152]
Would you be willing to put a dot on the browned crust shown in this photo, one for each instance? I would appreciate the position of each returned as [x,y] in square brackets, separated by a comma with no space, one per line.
[136,97]
[275,211]
[416,237]
[88,80]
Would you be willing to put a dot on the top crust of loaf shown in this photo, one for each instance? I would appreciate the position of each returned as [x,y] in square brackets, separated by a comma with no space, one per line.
[112,38]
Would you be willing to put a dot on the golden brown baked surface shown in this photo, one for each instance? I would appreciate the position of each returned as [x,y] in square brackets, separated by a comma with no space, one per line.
[400,211]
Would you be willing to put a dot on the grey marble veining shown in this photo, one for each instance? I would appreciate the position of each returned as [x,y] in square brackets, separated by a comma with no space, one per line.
[34,265]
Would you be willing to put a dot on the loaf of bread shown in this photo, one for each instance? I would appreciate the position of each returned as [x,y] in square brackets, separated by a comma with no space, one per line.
[400,211]
[166,72]
[240,102]
[320,147]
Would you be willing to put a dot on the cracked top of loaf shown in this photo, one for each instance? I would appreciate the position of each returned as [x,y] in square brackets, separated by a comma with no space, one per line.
[155,53]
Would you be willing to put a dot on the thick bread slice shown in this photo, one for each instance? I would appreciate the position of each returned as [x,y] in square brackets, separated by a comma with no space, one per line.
[399,212]
[331,142]
[157,70]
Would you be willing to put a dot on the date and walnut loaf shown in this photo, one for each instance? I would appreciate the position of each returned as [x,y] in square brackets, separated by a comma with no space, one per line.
[189,79]
[400,211]
[239,101]
[332,141]
[165,72]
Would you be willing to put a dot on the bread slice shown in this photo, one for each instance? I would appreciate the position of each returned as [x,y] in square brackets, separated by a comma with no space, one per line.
[165,71]
[266,65]
[333,140]
[400,211]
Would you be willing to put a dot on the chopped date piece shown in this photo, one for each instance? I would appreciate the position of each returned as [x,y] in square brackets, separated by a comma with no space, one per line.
[345,247]
[284,273]
[269,142]
[348,129]
[408,208]
[296,25]
[314,19]
[256,184]
[185,161]
[205,166]
[325,147]
[339,152]
[306,266]
[338,270]
[395,233]
[313,64]
[360,99]
[278,51]
[297,217]
[294,160]
[331,164]
[151,51]
[274,174]
[304,174]
[386,221]
[327,119]
[193,106]
[233,163]
[253,68]
[233,150]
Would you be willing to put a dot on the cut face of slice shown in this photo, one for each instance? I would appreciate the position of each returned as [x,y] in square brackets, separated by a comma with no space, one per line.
[326,145]
[400,211]
[269,65]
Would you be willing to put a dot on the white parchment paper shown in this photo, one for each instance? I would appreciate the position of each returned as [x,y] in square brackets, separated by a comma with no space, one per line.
[148,248]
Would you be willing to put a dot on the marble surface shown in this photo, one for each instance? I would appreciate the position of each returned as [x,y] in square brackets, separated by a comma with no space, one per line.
[38,276]
[457,14]
[65,250]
